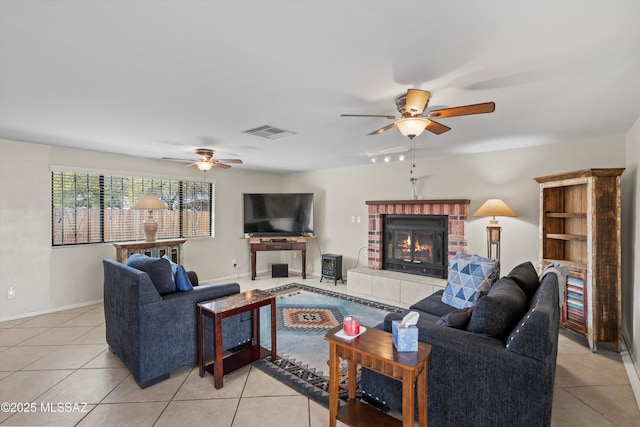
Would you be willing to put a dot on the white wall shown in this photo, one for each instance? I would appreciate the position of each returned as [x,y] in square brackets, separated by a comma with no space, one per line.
[631,241]
[341,193]
[48,278]
[25,230]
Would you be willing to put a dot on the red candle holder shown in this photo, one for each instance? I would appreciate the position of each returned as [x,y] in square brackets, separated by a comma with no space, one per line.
[351,325]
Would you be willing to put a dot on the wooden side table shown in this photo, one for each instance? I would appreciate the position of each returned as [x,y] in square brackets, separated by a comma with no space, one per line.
[374,350]
[220,308]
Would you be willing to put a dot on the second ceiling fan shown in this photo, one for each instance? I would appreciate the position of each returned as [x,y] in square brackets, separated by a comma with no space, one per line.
[413,122]
[207,161]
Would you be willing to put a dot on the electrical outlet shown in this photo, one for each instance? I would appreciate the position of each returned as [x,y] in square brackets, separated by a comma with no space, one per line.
[12,292]
[235,264]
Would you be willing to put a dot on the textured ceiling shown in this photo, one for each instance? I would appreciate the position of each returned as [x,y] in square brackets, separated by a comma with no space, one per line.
[162,78]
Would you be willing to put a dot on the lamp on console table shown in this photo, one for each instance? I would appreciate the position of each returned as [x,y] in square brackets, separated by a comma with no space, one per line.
[149,225]
[494,208]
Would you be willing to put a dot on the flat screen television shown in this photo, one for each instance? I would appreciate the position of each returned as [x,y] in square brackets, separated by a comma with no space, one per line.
[278,214]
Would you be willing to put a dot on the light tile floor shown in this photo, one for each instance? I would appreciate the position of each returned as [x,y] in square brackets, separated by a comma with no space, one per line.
[63,358]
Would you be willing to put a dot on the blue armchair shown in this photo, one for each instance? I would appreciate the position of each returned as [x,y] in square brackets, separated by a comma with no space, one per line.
[156,334]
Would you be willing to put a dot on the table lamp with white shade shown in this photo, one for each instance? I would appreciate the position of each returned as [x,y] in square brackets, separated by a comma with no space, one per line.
[149,225]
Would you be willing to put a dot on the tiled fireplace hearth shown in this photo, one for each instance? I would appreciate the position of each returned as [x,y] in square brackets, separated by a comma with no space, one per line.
[456,210]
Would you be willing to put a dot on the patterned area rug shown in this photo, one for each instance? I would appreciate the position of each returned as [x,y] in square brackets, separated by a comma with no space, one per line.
[316,318]
[304,315]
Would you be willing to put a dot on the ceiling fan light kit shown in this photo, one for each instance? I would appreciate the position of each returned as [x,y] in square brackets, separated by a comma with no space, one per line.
[206,160]
[204,165]
[412,126]
[413,122]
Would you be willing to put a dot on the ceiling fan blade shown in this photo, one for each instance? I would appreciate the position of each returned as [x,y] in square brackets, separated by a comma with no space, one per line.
[487,107]
[368,115]
[176,159]
[221,165]
[386,128]
[437,128]
[229,160]
[416,101]
[190,164]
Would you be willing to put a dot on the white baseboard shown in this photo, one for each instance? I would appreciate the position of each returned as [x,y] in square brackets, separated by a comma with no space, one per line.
[632,369]
[50,310]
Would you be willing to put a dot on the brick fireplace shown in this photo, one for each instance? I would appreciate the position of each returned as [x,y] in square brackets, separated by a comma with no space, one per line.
[456,211]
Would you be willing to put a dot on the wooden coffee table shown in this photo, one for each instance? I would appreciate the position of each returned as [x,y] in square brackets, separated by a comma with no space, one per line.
[374,350]
[220,308]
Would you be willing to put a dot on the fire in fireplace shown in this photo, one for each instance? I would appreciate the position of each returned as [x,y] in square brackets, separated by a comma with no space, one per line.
[416,244]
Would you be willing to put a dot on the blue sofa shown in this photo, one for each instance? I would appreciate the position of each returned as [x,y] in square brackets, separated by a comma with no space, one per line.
[155,332]
[492,365]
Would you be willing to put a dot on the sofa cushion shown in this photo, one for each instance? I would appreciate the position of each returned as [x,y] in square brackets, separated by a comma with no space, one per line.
[183,283]
[499,311]
[174,266]
[526,277]
[458,319]
[193,277]
[158,269]
[469,276]
[433,305]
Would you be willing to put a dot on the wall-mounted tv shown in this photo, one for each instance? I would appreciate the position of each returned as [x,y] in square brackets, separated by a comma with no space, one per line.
[278,214]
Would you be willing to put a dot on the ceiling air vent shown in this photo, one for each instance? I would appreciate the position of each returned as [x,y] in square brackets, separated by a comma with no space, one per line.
[269,132]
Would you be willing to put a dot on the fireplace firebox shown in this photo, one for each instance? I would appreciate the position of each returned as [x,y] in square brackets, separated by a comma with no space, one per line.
[416,244]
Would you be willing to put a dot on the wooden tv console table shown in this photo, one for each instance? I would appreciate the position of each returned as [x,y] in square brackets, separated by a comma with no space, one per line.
[296,244]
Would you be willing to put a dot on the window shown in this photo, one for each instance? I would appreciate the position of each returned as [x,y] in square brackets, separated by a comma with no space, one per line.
[93,208]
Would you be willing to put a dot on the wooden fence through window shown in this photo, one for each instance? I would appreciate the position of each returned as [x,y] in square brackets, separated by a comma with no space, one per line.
[83,225]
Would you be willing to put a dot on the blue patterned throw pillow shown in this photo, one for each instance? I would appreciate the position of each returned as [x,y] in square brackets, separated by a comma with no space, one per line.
[469,276]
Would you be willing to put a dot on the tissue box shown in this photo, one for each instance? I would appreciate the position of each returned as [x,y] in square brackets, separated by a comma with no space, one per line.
[404,339]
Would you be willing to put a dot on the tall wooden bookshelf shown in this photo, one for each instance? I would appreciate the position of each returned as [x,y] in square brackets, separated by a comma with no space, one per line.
[580,227]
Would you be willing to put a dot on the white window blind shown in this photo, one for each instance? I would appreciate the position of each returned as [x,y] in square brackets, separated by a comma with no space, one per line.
[96,208]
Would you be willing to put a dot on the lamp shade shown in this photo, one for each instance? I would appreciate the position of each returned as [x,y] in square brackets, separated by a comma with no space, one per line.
[149,202]
[494,208]
[204,166]
[412,126]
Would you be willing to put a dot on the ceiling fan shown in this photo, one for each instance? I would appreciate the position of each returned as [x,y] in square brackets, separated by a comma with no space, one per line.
[206,160]
[413,122]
